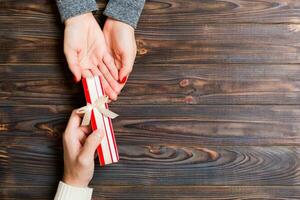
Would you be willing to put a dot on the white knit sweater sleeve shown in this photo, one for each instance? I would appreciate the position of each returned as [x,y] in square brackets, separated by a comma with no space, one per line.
[68,192]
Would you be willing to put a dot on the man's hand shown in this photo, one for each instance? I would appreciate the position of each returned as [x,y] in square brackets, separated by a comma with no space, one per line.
[87,53]
[79,150]
[121,43]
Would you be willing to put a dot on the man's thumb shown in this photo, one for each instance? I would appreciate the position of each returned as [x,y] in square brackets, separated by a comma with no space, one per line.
[91,143]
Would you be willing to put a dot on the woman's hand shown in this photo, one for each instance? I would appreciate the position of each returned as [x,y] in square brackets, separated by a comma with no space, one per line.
[87,53]
[79,150]
[121,43]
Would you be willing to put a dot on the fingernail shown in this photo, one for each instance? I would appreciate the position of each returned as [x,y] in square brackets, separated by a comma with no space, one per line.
[123,80]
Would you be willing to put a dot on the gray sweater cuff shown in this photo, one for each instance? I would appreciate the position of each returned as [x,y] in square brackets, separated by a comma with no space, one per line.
[71,8]
[127,11]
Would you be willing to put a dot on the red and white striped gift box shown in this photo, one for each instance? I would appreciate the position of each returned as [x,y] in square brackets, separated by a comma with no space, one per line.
[107,150]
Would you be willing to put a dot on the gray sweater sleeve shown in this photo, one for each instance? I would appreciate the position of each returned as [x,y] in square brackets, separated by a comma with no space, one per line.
[127,11]
[71,8]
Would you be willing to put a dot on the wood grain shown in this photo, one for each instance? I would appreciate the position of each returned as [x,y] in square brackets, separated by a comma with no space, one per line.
[211,110]
[204,43]
[160,84]
[206,125]
[165,12]
[167,192]
[219,43]
[159,164]
[198,192]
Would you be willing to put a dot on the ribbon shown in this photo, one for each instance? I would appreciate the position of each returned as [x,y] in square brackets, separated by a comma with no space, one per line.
[98,107]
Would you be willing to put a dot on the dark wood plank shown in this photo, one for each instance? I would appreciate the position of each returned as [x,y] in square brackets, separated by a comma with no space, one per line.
[191,125]
[159,84]
[235,60]
[198,192]
[231,72]
[210,43]
[165,192]
[215,43]
[37,162]
[165,12]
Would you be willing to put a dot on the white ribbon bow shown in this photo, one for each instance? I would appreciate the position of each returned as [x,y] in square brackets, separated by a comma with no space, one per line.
[98,107]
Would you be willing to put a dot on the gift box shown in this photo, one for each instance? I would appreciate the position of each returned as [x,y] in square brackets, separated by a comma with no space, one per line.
[97,113]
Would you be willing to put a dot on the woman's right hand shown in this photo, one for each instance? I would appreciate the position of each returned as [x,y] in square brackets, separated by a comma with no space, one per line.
[87,54]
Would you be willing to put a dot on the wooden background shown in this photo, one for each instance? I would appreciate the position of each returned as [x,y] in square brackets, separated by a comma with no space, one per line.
[211,110]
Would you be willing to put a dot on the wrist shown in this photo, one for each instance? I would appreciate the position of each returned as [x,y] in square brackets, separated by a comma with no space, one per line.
[110,22]
[79,18]
[74,182]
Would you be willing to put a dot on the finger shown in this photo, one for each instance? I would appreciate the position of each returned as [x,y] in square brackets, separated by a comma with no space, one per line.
[72,126]
[107,88]
[109,62]
[96,72]
[74,120]
[86,73]
[107,75]
[73,63]
[86,129]
[81,137]
[118,63]
[127,64]
[91,144]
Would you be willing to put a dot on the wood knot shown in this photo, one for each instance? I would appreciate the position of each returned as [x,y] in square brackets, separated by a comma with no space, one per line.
[155,149]
[184,83]
[140,42]
[189,100]
[142,51]
[213,155]
[294,27]
[3,127]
